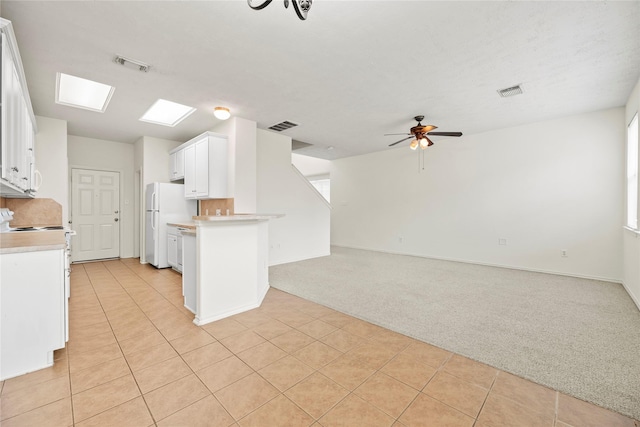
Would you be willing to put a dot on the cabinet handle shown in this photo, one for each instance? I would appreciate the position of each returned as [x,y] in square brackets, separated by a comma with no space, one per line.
[15,169]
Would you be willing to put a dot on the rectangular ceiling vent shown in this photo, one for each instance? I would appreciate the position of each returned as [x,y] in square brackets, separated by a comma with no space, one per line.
[279,127]
[510,91]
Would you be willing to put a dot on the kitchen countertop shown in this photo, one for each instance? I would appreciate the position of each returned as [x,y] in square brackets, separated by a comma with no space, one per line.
[204,219]
[30,241]
[189,225]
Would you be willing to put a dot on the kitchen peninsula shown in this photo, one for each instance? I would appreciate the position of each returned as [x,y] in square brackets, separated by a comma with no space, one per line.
[226,264]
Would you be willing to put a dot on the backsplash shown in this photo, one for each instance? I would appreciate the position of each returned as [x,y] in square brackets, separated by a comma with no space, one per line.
[33,212]
[211,205]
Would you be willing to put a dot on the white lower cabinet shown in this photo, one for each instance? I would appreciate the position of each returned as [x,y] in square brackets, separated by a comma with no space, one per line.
[172,246]
[189,265]
[32,302]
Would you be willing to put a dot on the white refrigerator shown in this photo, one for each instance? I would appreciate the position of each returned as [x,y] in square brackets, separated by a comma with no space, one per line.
[164,203]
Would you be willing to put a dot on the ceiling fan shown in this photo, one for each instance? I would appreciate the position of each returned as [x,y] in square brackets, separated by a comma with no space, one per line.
[419,133]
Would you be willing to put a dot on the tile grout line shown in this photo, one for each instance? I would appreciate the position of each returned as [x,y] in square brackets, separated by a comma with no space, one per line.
[118,343]
[438,369]
[555,418]
[180,355]
[495,378]
[168,342]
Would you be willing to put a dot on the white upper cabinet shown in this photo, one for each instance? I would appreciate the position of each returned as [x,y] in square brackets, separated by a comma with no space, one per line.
[176,165]
[18,126]
[206,167]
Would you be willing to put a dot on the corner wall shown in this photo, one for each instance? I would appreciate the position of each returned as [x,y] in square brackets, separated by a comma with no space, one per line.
[150,160]
[631,242]
[543,188]
[51,161]
[243,161]
[303,232]
[89,153]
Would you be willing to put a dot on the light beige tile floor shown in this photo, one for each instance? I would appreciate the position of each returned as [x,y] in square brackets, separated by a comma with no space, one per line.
[136,359]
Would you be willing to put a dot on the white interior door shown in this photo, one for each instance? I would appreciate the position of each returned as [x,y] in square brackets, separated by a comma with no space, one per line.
[95,214]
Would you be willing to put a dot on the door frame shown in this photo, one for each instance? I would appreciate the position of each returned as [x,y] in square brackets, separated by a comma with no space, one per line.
[123,220]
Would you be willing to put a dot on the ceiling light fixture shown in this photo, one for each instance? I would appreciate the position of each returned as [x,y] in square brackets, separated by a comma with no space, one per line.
[141,66]
[221,113]
[300,6]
[420,133]
[166,113]
[77,92]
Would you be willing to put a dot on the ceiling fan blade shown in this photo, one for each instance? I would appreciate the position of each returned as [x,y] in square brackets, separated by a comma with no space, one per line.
[445,133]
[430,142]
[398,142]
[428,128]
[387,134]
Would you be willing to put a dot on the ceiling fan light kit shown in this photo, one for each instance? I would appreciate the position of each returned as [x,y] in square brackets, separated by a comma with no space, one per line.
[419,133]
[301,7]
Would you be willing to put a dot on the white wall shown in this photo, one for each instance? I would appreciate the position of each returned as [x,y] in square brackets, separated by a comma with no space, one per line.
[631,243]
[155,154]
[150,158]
[51,161]
[242,162]
[544,187]
[304,232]
[311,167]
[89,153]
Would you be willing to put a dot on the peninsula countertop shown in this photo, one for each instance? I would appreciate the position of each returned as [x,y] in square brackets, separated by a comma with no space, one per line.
[203,219]
[206,219]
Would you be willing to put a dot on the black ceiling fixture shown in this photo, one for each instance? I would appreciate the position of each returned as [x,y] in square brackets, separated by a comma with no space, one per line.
[300,6]
[419,133]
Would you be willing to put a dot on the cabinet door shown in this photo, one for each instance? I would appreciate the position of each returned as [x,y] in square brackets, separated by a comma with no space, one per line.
[33,310]
[172,250]
[202,168]
[176,165]
[172,167]
[190,172]
[17,127]
[179,164]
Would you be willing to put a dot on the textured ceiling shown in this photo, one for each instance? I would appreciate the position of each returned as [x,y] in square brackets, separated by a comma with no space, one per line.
[350,73]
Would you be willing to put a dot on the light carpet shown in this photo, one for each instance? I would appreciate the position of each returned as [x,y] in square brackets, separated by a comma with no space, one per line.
[578,336]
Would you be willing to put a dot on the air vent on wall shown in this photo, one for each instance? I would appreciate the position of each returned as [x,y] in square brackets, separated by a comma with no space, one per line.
[510,91]
[279,127]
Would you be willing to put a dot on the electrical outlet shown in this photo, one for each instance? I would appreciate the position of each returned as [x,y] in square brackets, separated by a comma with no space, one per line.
[564,253]
[502,242]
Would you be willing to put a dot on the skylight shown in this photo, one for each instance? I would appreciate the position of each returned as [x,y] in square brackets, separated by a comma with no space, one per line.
[82,93]
[166,113]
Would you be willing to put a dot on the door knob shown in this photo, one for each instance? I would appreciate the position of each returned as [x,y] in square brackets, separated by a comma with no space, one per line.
[116,219]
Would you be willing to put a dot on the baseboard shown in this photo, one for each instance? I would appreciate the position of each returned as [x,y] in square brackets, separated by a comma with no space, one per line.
[203,321]
[635,299]
[511,267]
[296,259]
